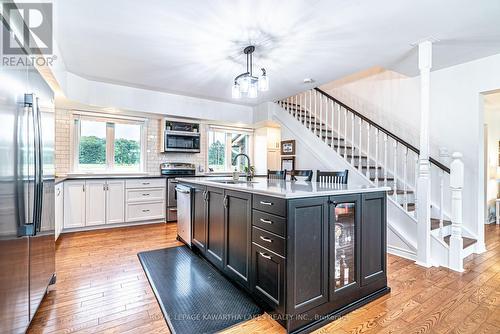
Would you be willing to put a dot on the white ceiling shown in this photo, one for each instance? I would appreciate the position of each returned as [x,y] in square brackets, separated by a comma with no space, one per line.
[195,47]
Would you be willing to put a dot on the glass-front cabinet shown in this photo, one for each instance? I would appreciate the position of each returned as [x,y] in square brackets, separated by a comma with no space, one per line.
[344,250]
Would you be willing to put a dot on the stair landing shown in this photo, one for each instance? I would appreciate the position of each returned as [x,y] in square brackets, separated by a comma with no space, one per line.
[467,241]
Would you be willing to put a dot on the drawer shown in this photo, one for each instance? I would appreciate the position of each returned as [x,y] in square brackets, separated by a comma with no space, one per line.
[145,211]
[270,204]
[269,222]
[146,183]
[145,195]
[268,240]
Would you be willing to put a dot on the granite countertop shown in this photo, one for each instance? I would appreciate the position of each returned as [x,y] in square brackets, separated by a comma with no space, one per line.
[104,176]
[283,189]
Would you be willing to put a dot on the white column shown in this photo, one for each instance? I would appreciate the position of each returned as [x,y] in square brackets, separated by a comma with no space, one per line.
[424,177]
[456,186]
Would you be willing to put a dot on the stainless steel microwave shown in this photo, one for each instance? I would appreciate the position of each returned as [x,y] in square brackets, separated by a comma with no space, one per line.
[181,137]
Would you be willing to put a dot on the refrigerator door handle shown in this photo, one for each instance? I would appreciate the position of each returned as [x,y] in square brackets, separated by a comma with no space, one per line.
[38,225]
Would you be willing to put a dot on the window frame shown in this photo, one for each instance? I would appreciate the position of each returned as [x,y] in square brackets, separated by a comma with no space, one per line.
[228,148]
[110,121]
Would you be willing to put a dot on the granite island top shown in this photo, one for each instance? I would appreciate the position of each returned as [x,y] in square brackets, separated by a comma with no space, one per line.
[284,189]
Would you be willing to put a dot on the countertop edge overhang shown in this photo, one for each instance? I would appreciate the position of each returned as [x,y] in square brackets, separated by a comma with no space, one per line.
[283,189]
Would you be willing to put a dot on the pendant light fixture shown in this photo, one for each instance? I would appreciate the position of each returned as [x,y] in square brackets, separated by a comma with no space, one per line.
[248,84]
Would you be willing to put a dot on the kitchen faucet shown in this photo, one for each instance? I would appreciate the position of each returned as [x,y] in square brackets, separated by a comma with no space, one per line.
[249,172]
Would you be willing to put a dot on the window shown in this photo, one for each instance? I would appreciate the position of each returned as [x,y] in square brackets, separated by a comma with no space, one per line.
[107,145]
[223,146]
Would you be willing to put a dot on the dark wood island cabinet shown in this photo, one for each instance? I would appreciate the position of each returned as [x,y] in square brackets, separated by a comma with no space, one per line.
[306,259]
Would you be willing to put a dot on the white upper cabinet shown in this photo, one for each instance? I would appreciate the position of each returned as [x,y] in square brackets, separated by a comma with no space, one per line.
[95,202]
[115,201]
[74,204]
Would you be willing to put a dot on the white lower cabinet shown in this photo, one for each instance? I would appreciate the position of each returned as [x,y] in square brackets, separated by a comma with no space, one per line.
[59,209]
[74,204]
[95,202]
[89,203]
[115,201]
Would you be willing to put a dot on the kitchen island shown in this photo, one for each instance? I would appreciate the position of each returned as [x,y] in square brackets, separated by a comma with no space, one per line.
[307,252]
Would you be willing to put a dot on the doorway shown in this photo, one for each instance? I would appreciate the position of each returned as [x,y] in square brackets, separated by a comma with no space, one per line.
[492,154]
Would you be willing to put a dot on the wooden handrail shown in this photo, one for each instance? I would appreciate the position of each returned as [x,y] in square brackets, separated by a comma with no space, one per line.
[380,128]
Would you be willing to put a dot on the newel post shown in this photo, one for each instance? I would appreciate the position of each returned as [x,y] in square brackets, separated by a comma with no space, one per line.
[456,185]
[424,167]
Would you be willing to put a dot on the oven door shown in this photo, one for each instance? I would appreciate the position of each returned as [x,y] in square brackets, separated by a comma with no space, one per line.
[182,142]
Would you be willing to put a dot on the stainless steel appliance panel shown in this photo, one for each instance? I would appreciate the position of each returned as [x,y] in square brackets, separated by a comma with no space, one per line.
[14,246]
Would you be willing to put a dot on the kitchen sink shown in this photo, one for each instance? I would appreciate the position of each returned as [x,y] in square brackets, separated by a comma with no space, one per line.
[233,182]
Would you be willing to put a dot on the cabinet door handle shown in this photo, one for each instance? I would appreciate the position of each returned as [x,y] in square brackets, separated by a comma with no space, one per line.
[266,239]
[145,210]
[225,201]
[266,256]
[58,192]
[266,203]
[83,188]
[266,221]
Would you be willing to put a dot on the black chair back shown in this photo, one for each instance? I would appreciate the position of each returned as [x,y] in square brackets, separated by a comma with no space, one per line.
[305,173]
[332,177]
[276,174]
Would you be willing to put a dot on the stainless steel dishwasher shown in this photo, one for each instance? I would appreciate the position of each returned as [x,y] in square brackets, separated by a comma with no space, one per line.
[184,205]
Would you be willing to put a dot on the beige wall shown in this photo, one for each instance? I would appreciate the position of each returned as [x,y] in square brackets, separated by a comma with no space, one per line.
[153,155]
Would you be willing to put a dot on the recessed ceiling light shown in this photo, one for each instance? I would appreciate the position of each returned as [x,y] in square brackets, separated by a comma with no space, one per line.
[308,80]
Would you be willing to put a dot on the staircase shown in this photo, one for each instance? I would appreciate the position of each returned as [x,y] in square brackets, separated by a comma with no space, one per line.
[380,157]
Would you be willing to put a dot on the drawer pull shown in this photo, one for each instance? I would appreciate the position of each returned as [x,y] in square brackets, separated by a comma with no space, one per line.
[266,203]
[266,221]
[266,256]
[145,210]
[146,194]
[145,183]
[266,239]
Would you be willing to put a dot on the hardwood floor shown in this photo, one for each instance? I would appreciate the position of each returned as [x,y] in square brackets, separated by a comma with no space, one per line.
[101,288]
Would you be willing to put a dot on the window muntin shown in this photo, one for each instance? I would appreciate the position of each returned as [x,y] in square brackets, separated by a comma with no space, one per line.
[224,145]
[107,145]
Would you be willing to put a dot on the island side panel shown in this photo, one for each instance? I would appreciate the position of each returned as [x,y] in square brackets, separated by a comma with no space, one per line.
[373,239]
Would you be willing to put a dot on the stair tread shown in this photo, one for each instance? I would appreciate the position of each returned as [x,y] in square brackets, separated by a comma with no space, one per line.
[435,223]
[467,241]
[389,178]
[398,191]
[411,206]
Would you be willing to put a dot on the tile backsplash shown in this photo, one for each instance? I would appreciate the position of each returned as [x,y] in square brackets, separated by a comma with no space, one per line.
[153,155]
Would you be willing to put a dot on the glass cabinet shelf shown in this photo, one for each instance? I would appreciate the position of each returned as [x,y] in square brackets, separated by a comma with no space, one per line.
[344,244]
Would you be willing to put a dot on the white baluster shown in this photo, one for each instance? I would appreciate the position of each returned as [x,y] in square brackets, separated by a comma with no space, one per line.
[441,203]
[352,138]
[360,123]
[320,115]
[315,112]
[345,134]
[288,104]
[386,166]
[310,108]
[395,181]
[300,109]
[333,117]
[295,107]
[325,102]
[415,204]
[338,127]
[376,156]
[368,175]
[405,180]
[456,185]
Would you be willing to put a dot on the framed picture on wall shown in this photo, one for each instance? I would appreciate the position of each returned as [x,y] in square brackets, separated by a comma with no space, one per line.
[288,147]
[288,163]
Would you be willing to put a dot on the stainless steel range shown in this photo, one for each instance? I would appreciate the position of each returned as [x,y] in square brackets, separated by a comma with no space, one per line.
[171,170]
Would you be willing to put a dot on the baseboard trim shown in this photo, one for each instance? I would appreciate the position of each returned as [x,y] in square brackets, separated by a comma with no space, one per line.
[404,253]
[108,226]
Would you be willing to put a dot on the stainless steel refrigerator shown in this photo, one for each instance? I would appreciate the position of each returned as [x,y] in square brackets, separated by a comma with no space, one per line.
[27,244]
